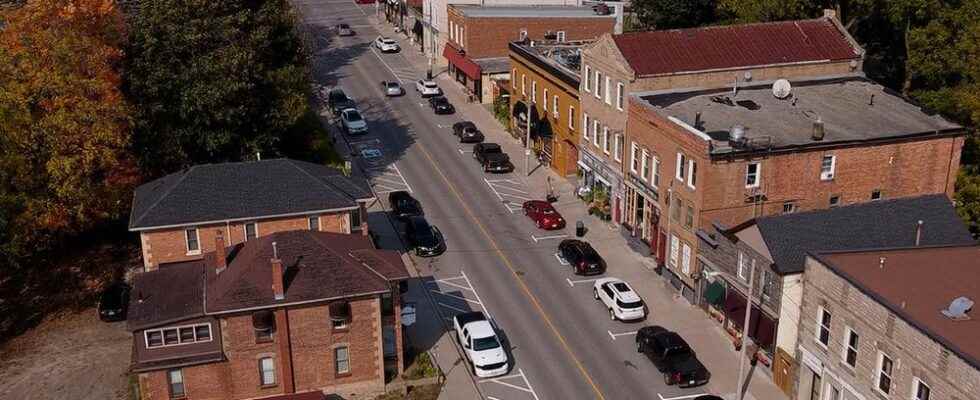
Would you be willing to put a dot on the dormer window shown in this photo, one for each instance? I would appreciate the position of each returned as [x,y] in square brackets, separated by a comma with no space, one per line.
[264,324]
[340,316]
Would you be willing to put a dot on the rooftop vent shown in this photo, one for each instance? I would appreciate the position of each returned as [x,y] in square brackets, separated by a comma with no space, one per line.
[818,130]
[958,309]
[749,104]
[781,88]
[601,9]
[737,134]
[723,100]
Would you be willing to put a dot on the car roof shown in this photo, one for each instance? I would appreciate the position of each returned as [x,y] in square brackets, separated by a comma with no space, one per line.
[465,124]
[418,221]
[545,203]
[488,145]
[480,329]
[400,195]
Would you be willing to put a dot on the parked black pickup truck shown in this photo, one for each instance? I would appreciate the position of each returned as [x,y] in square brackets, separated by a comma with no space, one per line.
[672,356]
[338,101]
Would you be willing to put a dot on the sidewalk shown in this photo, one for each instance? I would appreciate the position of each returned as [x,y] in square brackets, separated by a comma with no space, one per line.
[667,308]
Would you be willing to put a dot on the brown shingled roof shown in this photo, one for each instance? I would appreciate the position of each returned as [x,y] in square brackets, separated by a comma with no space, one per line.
[734,46]
[915,287]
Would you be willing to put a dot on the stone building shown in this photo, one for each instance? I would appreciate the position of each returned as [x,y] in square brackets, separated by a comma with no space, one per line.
[890,324]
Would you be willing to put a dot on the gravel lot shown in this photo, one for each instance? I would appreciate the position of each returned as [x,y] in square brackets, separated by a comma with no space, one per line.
[71,356]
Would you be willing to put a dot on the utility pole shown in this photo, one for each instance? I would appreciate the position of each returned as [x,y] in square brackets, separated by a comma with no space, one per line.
[527,141]
[432,43]
[745,333]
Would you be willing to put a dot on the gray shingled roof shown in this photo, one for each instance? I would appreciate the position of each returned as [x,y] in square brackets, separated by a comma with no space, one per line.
[878,224]
[241,190]
[172,293]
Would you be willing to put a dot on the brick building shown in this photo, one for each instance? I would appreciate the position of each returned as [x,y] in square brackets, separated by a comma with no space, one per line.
[478,37]
[290,312]
[617,66]
[177,215]
[770,251]
[730,154]
[885,324]
[545,77]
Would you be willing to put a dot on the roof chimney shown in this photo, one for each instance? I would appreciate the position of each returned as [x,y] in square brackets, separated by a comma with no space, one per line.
[918,233]
[818,130]
[220,256]
[697,120]
[278,289]
[829,13]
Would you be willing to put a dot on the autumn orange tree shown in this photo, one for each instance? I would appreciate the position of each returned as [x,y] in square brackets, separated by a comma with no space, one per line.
[64,128]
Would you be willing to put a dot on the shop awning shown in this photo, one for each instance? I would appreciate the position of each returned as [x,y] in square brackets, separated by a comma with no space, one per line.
[715,293]
[455,57]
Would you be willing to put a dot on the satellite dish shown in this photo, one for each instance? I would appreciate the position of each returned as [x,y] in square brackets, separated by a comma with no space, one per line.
[958,308]
[781,89]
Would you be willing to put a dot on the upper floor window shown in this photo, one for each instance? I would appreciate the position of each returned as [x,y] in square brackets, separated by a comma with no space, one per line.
[679,168]
[743,266]
[341,357]
[767,285]
[544,100]
[193,245]
[175,380]
[251,230]
[920,391]
[595,132]
[789,207]
[267,371]
[634,161]
[645,165]
[178,335]
[850,355]
[885,370]
[554,106]
[692,174]
[752,175]
[587,82]
[355,220]
[656,172]
[314,223]
[618,147]
[524,84]
[605,139]
[571,117]
[834,200]
[598,85]
[560,36]
[689,216]
[620,95]
[827,166]
[585,126]
[608,97]
[823,326]
[523,35]
[534,91]
[513,78]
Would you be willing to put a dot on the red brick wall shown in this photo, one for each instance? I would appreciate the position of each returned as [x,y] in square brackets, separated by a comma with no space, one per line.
[312,343]
[488,37]
[169,245]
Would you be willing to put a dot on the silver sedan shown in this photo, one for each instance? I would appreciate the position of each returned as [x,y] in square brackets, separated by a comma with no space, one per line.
[392,89]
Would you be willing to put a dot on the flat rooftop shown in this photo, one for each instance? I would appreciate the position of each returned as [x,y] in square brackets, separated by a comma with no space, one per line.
[916,287]
[478,11]
[852,109]
[564,58]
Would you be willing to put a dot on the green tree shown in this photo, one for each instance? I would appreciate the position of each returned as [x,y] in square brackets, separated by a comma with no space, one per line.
[767,10]
[673,14]
[214,81]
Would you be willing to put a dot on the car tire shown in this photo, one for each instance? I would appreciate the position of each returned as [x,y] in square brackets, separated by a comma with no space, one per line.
[612,315]
[639,347]
[539,225]
[667,380]
[595,293]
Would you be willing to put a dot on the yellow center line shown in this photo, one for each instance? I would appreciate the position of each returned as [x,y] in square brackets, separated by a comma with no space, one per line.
[513,270]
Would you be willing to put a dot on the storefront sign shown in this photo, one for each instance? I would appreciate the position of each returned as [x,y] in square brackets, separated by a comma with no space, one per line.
[642,187]
[602,173]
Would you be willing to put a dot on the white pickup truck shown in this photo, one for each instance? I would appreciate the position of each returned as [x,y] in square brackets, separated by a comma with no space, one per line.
[480,343]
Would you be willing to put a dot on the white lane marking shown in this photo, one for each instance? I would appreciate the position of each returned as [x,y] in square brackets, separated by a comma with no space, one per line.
[536,239]
[519,374]
[561,260]
[461,151]
[690,396]
[492,398]
[528,383]
[512,189]
[454,308]
[375,52]
[495,192]
[399,172]
[572,283]
[614,335]
[477,295]
[456,297]
[456,285]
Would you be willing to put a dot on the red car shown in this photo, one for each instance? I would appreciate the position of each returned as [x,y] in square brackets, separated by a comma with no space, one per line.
[543,214]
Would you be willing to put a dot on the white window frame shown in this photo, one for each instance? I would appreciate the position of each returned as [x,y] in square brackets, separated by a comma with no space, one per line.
[753,175]
[336,360]
[608,96]
[828,175]
[686,259]
[644,164]
[633,160]
[605,139]
[916,383]
[245,230]
[560,36]
[595,133]
[544,104]
[675,245]
[655,178]
[350,220]
[879,371]
[534,91]
[571,117]
[513,80]
[586,82]
[821,311]
[554,106]
[319,225]
[598,84]
[197,241]
[524,84]
[846,346]
[618,147]
[163,342]
[620,95]
[267,369]
[170,383]
[742,271]
[679,167]
[585,126]
[692,170]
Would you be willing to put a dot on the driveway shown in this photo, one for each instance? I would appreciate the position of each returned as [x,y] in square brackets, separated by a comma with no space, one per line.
[71,356]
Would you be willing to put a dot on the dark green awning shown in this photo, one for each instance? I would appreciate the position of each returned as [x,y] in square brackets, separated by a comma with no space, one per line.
[715,293]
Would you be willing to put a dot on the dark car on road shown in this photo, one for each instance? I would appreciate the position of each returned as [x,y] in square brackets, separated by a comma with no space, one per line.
[672,356]
[467,132]
[441,105]
[543,214]
[338,101]
[113,302]
[580,255]
[492,158]
[425,239]
[344,30]
[482,150]
[403,205]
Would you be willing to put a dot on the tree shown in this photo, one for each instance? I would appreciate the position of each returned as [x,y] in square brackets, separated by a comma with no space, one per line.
[213,81]
[767,10]
[673,14]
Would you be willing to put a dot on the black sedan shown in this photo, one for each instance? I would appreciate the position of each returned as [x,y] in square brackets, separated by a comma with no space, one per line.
[425,239]
[583,259]
[113,302]
[441,105]
[467,132]
[403,205]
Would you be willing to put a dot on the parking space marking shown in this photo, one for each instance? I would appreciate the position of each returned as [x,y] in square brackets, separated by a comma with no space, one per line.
[453,308]
[510,192]
[455,297]
[690,396]
[615,335]
[562,261]
[520,374]
[389,180]
[572,283]
[536,239]
[461,151]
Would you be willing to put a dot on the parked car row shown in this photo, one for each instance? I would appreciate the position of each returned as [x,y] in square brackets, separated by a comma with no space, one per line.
[424,239]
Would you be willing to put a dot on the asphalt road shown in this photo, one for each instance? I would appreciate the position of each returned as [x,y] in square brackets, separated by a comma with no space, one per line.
[563,345]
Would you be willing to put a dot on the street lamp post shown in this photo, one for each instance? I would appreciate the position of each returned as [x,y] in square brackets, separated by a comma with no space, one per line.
[745,336]
[527,141]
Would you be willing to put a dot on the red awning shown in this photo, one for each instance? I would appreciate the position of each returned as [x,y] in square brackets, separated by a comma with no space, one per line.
[762,328]
[462,63]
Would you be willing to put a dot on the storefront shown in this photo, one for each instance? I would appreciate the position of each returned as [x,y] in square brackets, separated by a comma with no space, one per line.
[463,70]
[599,186]
[642,215]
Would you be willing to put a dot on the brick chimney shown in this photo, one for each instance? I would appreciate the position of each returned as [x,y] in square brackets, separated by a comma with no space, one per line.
[278,290]
[220,256]
[829,13]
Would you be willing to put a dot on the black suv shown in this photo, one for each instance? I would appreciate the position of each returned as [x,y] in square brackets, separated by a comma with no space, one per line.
[425,239]
[467,132]
[403,205]
[582,257]
[338,101]
[672,356]
[113,302]
[440,104]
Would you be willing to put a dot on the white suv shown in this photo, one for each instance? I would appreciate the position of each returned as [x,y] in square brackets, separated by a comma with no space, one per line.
[623,303]
[427,88]
[386,45]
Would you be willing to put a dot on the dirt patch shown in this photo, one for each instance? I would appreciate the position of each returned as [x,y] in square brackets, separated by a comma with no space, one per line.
[427,392]
[69,356]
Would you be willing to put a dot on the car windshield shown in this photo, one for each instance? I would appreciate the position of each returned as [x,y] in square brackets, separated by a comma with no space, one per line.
[430,85]
[392,85]
[352,115]
[371,153]
[470,130]
[486,343]
[344,26]
[388,41]
[548,210]
[622,287]
[629,304]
